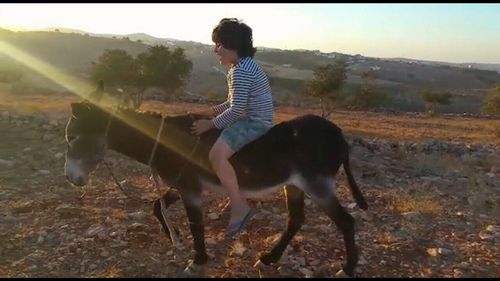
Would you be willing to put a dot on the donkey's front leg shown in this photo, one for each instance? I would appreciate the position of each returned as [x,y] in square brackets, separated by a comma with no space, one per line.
[160,207]
[192,203]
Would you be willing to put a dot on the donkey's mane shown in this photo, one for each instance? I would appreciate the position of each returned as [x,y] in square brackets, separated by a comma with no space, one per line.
[134,113]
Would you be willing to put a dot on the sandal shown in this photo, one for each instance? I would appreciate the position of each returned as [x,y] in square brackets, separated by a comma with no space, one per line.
[235,228]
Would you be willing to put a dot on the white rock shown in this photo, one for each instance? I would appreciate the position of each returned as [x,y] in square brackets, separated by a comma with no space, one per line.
[444,251]
[433,252]
[307,273]
[213,216]
[238,249]
[139,215]
[351,205]
[491,228]
[94,230]
[43,172]
[308,202]
[210,241]
[48,137]
[59,155]
[6,163]
[301,261]
[136,227]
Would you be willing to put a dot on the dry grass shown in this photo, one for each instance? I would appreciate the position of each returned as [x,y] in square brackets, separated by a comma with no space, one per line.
[425,203]
[35,104]
[385,238]
[482,196]
[400,127]
[112,272]
[409,127]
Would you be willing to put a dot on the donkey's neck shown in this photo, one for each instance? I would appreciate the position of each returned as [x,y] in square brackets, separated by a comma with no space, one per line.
[133,137]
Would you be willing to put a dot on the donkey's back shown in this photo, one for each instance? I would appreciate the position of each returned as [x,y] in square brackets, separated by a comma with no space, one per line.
[303,149]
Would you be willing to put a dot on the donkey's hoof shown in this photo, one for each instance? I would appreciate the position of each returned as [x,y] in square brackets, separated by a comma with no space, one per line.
[176,241]
[268,258]
[194,270]
[342,274]
[258,264]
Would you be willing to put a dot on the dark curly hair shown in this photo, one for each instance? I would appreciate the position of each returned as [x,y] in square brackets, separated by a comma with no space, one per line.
[234,35]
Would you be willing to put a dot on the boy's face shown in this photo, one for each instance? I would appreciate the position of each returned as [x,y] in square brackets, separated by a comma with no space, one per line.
[226,56]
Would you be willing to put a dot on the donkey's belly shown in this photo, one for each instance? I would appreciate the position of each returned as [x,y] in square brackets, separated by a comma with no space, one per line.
[255,192]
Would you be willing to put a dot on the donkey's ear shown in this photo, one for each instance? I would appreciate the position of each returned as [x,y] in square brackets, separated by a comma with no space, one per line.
[79,108]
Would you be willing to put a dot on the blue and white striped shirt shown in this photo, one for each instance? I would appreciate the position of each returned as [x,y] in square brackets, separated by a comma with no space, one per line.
[249,94]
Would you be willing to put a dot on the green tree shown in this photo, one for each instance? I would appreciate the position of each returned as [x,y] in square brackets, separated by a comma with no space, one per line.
[160,67]
[491,104]
[116,68]
[433,99]
[369,95]
[326,84]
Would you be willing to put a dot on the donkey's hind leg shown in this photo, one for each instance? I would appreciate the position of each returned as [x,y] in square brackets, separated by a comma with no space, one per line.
[345,222]
[295,206]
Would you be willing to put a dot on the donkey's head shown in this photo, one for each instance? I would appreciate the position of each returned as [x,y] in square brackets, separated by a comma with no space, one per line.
[85,135]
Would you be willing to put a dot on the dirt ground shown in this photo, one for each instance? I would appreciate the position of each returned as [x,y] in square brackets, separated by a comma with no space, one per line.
[428,216]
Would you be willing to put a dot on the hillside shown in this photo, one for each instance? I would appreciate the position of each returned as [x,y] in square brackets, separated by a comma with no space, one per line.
[74,51]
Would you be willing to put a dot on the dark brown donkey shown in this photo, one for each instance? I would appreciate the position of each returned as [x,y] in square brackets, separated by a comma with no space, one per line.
[302,156]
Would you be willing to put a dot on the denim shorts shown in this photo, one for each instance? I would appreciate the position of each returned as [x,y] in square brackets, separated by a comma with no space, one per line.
[242,132]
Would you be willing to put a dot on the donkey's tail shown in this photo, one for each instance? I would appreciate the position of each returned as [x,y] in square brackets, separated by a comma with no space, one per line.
[356,193]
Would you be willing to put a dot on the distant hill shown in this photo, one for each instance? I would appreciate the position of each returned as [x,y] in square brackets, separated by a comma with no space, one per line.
[75,50]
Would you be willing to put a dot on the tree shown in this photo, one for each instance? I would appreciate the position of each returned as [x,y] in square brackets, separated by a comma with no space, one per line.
[433,99]
[165,69]
[116,67]
[326,83]
[369,95]
[491,104]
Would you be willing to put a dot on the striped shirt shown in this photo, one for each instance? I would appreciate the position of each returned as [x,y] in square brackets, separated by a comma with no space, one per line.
[249,94]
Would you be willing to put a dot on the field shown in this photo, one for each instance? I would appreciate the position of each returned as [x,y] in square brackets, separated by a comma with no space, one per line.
[432,185]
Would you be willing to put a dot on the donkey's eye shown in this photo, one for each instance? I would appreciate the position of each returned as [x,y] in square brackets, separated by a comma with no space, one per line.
[70,137]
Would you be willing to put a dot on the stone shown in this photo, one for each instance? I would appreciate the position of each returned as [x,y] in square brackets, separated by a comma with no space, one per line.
[213,216]
[6,163]
[238,249]
[48,137]
[67,211]
[433,252]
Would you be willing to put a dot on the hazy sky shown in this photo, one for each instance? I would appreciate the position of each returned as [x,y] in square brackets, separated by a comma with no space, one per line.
[441,32]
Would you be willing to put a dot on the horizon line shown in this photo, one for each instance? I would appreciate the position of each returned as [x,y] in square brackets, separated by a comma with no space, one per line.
[68,30]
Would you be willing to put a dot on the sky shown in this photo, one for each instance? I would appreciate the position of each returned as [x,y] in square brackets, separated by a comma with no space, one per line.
[459,33]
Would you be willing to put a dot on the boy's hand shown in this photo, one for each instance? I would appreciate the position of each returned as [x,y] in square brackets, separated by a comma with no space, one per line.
[201,126]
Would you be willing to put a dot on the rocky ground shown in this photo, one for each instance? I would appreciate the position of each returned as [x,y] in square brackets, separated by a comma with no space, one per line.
[434,211]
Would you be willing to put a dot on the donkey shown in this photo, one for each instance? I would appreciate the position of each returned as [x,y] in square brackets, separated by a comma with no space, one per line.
[301,155]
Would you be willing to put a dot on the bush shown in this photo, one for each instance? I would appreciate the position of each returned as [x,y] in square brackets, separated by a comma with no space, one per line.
[9,75]
[27,88]
[491,104]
